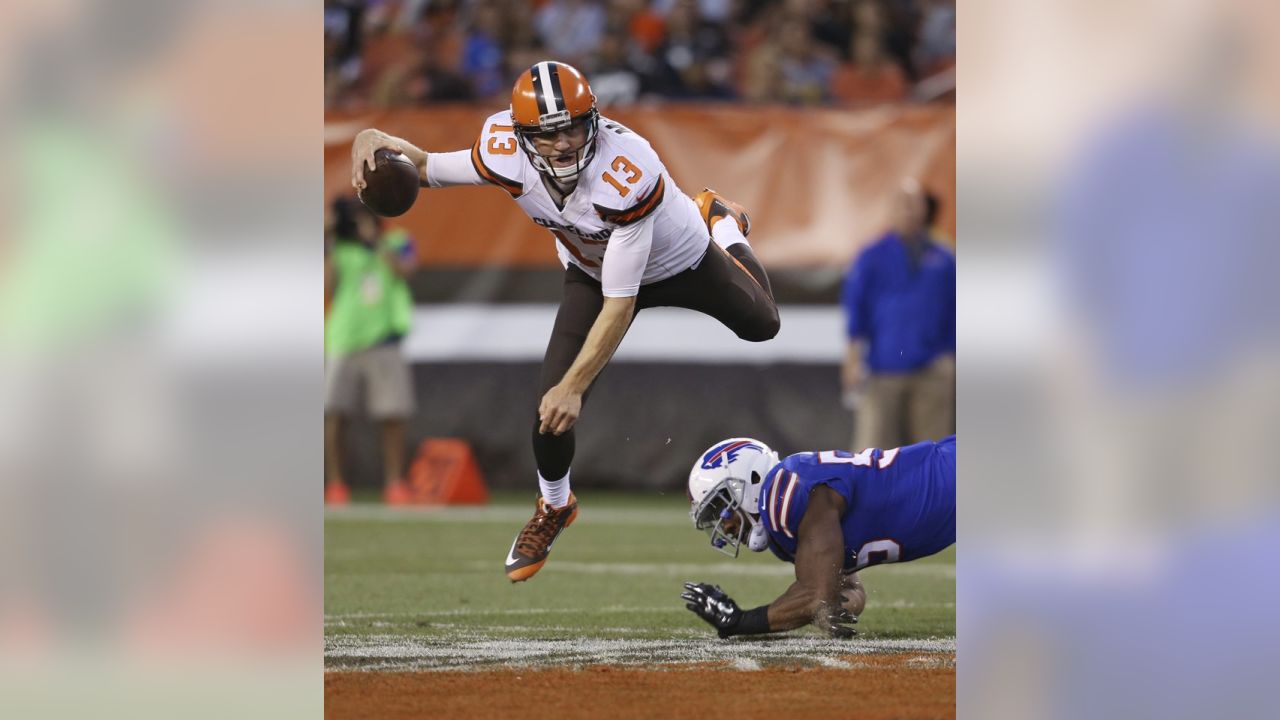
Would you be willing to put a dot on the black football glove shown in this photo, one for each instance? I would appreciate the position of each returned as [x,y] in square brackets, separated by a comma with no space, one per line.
[838,623]
[713,605]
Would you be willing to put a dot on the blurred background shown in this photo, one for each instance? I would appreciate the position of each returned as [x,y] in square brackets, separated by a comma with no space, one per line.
[831,121]
[160,554]
[1119,166]
[382,54]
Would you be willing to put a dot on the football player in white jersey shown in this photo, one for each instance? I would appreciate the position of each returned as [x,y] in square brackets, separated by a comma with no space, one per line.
[628,238]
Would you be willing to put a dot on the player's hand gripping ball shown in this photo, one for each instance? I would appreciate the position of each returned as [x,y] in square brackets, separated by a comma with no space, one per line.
[391,187]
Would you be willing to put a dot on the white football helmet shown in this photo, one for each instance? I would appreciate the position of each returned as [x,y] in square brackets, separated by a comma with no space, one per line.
[724,484]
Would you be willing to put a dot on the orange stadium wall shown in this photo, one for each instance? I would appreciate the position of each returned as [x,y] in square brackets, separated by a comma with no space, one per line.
[818,183]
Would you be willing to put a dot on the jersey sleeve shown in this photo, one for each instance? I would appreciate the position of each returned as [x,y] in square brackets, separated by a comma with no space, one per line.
[496,156]
[625,259]
[787,498]
[450,169]
[631,184]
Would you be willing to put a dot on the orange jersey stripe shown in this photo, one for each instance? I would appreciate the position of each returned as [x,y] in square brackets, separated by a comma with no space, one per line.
[642,209]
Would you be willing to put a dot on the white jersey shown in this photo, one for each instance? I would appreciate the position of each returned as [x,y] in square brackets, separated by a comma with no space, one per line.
[626,223]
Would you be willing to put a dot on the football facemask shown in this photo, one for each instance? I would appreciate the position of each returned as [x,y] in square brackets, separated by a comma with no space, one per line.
[544,160]
[721,516]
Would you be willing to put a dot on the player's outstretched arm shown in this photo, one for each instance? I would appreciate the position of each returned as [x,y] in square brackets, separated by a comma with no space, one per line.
[370,141]
[711,603]
[561,405]
[815,595]
[435,169]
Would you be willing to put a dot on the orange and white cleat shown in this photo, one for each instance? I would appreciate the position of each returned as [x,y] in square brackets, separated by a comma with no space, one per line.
[714,206]
[529,551]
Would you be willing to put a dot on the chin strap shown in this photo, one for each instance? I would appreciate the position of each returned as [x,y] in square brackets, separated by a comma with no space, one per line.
[759,539]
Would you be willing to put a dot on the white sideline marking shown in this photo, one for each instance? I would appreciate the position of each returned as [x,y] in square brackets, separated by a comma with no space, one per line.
[470,652]
[517,514]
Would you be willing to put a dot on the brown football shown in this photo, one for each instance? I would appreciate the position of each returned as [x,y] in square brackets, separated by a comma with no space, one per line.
[392,186]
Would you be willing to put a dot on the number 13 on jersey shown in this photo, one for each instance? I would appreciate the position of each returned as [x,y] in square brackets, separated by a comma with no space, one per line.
[621,164]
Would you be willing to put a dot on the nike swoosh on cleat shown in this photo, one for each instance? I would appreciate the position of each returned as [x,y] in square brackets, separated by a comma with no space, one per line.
[511,554]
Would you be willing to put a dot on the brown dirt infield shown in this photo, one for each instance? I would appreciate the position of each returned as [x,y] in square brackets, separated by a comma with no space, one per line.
[879,687]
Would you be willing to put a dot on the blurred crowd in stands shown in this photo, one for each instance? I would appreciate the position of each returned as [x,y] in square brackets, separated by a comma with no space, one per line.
[397,53]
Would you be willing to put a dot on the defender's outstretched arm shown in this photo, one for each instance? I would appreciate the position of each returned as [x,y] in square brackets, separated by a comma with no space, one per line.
[816,595]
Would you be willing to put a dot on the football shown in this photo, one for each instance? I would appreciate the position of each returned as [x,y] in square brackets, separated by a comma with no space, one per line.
[392,186]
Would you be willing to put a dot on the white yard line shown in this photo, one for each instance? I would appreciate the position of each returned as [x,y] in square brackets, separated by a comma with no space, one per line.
[830,662]
[470,652]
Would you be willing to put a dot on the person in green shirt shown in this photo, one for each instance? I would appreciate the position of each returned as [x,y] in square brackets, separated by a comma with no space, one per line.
[369,313]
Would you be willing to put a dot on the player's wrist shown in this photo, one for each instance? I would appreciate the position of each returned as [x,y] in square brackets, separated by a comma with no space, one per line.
[574,382]
[751,622]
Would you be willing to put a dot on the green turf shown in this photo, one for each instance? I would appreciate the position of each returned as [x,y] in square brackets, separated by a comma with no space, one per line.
[616,573]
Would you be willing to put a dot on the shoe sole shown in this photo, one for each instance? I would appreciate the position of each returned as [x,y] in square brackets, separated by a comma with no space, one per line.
[525,572]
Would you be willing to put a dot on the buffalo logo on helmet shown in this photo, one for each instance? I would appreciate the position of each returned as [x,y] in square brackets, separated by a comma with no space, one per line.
[726,453]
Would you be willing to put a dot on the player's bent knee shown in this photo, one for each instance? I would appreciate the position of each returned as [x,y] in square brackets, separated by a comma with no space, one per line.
[762,329]
[773,326]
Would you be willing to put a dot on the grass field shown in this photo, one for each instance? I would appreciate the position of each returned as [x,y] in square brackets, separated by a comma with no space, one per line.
[411,589]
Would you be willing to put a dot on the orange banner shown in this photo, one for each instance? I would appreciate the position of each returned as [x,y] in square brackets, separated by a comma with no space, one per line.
[819,184]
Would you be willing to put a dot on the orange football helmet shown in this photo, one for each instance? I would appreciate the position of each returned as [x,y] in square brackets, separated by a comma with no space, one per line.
[552,98]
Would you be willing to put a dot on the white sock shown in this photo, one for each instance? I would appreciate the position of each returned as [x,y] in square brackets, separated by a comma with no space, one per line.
[555,492]
[727,233]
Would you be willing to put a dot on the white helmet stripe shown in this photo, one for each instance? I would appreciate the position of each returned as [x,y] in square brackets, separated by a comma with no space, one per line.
[544,75]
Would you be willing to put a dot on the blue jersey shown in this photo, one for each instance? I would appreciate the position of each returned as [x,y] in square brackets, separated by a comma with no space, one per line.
[900,503]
